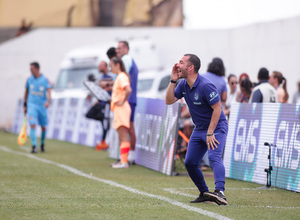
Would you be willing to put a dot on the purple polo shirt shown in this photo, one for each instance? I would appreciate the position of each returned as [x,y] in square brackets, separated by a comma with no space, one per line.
[199,99]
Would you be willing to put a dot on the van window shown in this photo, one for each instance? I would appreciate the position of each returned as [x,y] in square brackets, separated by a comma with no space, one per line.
[164,83]
[144,84]
[74,78]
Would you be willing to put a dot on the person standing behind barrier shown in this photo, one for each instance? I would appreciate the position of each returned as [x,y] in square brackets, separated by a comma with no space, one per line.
[215,73]
[263,91]
[240,97]
[211,128]
[246,90]
[36,101]
[279,83]
[131,68]
[231,95]
[106,82]
[121,108]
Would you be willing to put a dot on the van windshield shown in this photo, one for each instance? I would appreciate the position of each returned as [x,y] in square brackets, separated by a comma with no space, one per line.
[144,85]
[74,78]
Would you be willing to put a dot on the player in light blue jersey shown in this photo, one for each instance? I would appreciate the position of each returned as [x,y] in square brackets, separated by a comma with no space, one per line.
[211,126]
[36,101]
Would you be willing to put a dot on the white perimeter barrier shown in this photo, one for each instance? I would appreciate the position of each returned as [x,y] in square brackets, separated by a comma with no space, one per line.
[156,126]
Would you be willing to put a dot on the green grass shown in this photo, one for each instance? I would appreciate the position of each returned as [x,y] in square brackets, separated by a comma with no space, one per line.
[31,189]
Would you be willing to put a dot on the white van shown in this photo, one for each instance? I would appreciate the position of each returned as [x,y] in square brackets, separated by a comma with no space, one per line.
[153,84]
[74,70]
[83,61]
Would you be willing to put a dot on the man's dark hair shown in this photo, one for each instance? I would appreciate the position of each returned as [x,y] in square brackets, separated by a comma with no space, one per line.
[216,67]
[111,52]
[125,43]
[35,64]
[194,60]
[263,74]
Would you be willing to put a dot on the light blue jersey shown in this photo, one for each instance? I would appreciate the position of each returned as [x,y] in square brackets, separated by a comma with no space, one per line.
[37,90]
[37,96]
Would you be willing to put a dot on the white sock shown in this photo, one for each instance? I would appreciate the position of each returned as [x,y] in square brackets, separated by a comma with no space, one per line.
[131,155]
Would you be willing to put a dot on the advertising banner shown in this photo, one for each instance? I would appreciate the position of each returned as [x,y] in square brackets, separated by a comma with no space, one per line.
[155,127]
[253,129]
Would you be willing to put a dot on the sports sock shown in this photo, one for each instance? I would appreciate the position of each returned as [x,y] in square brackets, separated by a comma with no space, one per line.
[43,135]
[124,149]
[33,136]
[131,155]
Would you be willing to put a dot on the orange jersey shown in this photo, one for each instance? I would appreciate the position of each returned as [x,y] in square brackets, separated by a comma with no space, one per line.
[118,91]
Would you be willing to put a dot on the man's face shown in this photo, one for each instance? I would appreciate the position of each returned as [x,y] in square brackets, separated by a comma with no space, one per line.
[184,66]
[33,70]
[121,50]
[102,67]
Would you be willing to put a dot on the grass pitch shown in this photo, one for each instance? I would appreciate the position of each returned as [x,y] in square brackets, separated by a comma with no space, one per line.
[33,189]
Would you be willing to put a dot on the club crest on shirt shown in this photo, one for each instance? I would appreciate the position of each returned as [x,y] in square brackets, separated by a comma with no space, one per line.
[196,96]
[41,88]
[31,86]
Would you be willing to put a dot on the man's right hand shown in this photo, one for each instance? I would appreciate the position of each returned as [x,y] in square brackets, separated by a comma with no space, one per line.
[174,74]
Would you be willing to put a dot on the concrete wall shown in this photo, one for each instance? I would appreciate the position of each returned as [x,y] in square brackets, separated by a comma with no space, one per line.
[275,45]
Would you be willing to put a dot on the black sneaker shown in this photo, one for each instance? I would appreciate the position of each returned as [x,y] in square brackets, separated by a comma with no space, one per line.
[34,150]
[131,162]
[42,148]
[217,196]
[201,198]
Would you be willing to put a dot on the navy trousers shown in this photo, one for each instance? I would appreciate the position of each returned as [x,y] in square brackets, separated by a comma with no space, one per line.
[197,147]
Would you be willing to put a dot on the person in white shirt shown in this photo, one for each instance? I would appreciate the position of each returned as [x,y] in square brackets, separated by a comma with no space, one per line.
[279,83]
[263,91]
[231,95]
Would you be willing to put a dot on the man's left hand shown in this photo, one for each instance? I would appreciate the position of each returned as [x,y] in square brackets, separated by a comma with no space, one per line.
[211,142]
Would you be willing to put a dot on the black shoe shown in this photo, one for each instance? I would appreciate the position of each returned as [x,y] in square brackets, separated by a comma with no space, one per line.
[132,162]
[34,150]
[42,148]
[201,198]
[217,196]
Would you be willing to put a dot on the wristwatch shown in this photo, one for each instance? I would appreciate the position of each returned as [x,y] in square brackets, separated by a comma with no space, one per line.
[172,81]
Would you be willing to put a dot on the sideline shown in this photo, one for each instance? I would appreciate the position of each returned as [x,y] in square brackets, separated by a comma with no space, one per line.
[112,183]
[178,192]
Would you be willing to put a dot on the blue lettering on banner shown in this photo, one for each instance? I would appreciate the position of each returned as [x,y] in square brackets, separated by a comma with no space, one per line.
[246,140]
[286,154]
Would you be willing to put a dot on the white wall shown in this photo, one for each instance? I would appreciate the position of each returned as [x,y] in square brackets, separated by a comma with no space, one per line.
[275,45]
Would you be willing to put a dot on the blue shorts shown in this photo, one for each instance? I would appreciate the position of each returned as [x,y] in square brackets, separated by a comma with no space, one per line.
[132,106]
[36,114]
